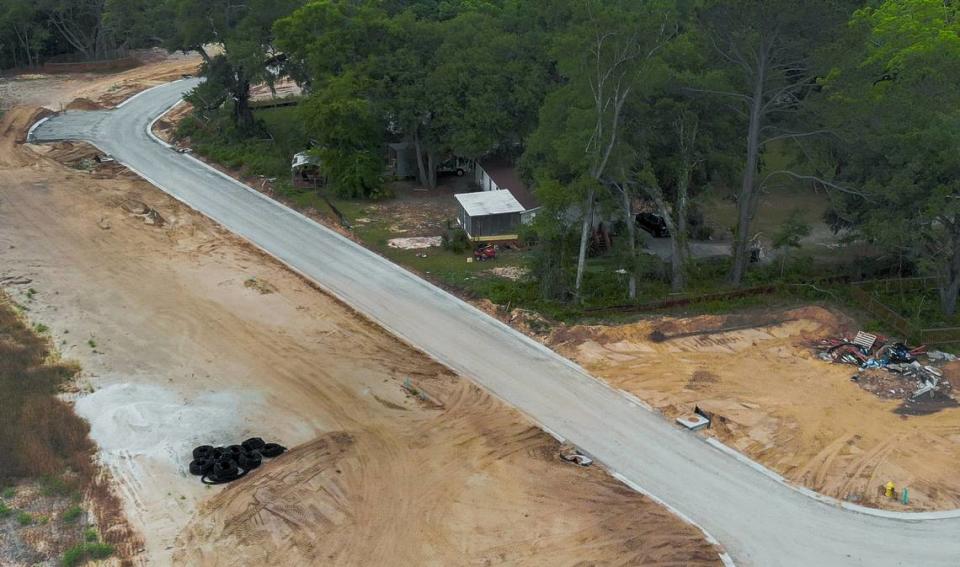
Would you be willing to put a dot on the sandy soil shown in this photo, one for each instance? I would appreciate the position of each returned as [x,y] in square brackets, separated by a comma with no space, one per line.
[782,406]
[178,349]
[95,90]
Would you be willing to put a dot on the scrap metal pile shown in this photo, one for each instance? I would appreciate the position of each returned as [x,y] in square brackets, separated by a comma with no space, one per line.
[875,352]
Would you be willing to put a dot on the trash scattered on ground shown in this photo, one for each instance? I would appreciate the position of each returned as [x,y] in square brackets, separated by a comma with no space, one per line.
[939,355]
[573,454]
[889,368]
[218,465]
[415,242]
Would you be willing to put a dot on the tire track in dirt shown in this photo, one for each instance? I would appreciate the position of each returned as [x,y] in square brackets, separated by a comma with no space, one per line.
[469,482]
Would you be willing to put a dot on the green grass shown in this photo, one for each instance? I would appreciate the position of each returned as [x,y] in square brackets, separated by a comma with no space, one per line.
[9,492]
[268,154]
[72,514]
[41,328]
[83,552]
[5,510]
[24,519]
[781,198]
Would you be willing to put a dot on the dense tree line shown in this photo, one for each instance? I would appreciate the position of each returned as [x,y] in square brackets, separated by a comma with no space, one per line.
[600,102]
[32,31]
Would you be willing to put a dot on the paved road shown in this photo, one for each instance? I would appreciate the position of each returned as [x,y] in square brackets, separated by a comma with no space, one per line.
[759,521]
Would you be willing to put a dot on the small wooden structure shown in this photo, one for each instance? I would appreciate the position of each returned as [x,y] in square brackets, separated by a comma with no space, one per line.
[489,215]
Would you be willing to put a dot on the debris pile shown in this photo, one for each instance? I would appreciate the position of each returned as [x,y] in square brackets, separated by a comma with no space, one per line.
[888,368]
[218,465]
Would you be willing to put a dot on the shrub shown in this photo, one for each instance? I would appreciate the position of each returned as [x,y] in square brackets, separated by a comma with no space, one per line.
[24,519]
[39,433]
[83,552]
[456,240]
[72,514]
[9,492]
[5,510]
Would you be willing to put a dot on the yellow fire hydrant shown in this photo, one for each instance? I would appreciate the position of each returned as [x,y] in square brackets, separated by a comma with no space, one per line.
[891,490]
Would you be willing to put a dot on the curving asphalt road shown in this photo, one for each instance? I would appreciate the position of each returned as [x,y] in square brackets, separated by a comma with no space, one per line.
[759,520]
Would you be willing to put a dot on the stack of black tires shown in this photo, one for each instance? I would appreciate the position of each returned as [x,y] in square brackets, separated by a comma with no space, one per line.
[217,465]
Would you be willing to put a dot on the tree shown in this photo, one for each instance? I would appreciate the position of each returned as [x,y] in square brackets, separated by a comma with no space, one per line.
[603,55]
[897,101]
[138,23]
[789,234]
[245,31]
[450,82]
[80,23]
[765,53]
[23,25]
[349,135]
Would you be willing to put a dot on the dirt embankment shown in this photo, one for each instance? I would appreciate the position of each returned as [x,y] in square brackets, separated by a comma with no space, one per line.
[177,350]
[778,403]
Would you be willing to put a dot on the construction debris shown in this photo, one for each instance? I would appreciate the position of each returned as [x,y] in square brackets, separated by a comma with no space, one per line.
[905,377]
[573,454]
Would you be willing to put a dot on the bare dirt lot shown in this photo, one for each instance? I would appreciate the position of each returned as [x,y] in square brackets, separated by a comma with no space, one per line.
[178,350]
[775,401]
[87,91]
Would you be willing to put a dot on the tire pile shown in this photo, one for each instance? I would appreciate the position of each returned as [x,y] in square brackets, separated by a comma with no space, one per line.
[218,465]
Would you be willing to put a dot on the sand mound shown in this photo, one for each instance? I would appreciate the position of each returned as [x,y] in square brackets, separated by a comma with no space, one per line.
[14,126]
[83,104]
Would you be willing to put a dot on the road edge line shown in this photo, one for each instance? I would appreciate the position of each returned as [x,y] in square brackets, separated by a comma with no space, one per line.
[724,556]
[36,125]
[618,393]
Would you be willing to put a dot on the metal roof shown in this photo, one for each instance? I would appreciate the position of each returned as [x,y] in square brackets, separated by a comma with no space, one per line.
[304,158]
[485,203]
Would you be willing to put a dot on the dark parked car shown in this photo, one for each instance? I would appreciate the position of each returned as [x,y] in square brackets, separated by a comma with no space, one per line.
[654,224]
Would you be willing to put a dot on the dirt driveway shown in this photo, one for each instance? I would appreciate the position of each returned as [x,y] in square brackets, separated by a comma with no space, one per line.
[187,336]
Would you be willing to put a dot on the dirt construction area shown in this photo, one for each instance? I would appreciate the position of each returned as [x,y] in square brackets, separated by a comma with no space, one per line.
[774,400]
[187,336]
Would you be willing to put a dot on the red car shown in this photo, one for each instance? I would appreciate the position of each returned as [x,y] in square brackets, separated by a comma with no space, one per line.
[485,252]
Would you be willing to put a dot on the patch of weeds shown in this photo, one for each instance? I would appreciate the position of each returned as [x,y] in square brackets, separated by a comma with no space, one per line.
[81,553]
[90,535]
[262,286]
[9,492]
[5,510]
[92,343]
[43,520]
[41,328]
[54,486]
[30,293]
[24,519]
[72,514]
